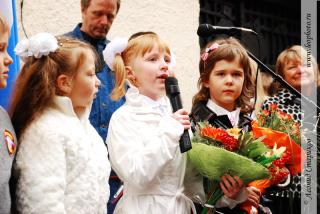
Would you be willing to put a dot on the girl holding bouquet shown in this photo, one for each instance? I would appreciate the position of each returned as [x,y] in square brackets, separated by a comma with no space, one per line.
[223,100]
[143,136]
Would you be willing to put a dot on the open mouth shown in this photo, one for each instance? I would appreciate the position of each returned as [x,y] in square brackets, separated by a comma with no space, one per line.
[163,76]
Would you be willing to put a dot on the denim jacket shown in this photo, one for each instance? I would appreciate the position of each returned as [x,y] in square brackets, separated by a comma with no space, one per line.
[103,106]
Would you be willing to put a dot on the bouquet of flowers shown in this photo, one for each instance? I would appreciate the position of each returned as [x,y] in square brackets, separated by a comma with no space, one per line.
[279,130]
[216,152]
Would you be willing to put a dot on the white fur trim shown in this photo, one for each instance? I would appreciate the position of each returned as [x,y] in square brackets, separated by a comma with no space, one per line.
[116,46]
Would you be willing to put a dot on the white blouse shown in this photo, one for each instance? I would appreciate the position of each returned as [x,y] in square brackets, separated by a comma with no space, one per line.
[233,115]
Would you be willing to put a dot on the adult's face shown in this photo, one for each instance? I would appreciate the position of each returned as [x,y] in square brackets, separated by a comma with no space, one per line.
[298,74]
[98,17]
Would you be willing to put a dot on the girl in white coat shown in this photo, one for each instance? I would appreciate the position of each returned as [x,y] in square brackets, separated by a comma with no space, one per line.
[143,137]
[62,165]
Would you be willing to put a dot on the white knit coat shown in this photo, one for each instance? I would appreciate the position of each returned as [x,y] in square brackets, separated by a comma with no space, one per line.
[62,165]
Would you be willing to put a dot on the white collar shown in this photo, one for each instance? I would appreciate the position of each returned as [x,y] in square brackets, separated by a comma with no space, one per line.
[65,105]
[153,103]
[159,105]
[233,115]
[134,98]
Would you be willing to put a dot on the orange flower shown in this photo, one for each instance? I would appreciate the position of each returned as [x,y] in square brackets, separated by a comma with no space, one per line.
[273,106]
[229,142]
[211,132]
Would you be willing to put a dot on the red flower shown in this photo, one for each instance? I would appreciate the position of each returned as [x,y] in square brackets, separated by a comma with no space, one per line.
[278,174]
[220,135]
[265,113]
[284,115]
[285,158]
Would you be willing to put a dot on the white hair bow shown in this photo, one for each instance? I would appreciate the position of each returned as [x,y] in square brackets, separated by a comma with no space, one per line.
[37,46]
[116,46]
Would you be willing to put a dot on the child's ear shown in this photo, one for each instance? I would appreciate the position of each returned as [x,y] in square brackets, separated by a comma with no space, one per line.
[64,84]
[131,77]
[130,73]
[206,84]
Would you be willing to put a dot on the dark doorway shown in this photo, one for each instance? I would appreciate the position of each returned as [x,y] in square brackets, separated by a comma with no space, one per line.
[277,23]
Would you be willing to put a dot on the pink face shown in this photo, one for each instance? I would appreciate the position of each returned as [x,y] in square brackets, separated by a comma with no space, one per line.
[225,83]
[85,84]
[5,60]
[150,72]
[298,74]
[98,17]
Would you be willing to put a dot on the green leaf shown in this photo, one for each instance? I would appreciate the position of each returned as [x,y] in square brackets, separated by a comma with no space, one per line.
[258,151]
[213,163]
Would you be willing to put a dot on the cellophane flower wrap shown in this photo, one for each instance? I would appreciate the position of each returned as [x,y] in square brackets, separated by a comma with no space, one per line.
[280,130]
[216,152]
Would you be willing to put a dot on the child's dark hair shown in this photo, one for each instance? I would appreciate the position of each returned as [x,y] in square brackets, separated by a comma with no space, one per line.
[140,33]
[228,49]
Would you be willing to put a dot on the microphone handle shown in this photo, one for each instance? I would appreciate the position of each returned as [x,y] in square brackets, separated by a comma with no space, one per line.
[185,142]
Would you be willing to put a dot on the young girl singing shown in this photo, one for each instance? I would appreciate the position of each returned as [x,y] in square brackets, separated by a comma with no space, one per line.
[62,165]
[223,100]
[144,135]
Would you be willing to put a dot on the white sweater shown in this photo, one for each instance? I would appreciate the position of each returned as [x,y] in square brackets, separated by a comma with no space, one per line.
[62,164]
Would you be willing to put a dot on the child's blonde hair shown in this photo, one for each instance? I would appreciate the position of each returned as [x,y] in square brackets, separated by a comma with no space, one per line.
[229,49]
[36,84]
[137,46]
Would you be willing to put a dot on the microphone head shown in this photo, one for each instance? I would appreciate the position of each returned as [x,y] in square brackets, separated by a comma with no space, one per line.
[204,30]
[171,84]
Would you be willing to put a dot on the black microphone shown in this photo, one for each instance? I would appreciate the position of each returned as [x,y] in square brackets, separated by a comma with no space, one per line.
[205,30]
[173,92]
